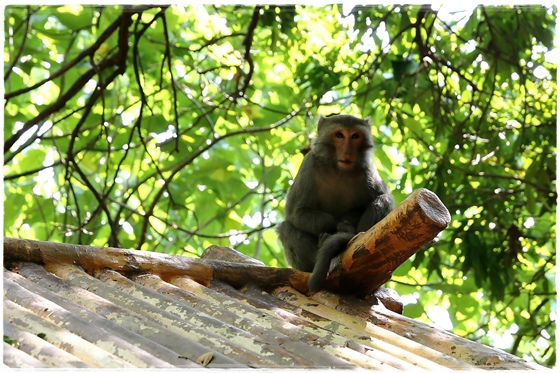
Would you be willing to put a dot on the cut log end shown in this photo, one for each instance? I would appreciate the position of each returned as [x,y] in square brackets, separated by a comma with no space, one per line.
[433,208]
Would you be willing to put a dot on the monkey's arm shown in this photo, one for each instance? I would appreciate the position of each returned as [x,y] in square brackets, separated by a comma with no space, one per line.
[312,221]
[381,205]
[303,205]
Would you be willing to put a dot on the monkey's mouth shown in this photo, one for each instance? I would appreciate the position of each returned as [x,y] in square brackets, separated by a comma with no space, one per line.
[345,162]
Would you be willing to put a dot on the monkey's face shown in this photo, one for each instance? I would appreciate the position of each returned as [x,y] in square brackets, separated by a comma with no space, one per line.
[348,144]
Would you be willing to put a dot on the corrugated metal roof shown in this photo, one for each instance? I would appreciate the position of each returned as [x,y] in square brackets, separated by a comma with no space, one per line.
[59,315]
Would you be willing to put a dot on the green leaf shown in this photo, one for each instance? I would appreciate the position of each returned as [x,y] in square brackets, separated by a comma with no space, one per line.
[413,311]
[74,16]
[9,340]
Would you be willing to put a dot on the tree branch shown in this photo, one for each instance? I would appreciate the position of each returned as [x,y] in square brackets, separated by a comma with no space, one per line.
[247,43]
[21,46]
[119,60]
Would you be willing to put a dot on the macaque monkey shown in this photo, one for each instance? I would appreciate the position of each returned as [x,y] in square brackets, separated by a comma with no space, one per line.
[336,193]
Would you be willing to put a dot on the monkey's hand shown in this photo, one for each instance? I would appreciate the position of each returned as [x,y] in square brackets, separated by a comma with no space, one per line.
[322,238]
[345,227]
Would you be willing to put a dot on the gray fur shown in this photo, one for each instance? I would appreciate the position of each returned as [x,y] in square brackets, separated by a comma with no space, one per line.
[327,205]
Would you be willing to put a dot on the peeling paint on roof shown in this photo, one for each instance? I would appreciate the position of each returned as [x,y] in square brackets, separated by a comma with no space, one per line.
[58,315]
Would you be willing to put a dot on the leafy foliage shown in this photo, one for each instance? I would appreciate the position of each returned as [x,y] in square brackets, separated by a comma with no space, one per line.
[174,128]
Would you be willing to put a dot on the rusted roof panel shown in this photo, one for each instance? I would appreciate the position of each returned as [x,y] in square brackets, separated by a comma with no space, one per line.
[59,315]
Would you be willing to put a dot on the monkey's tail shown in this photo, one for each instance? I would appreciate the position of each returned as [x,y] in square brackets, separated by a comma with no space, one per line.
[330,249]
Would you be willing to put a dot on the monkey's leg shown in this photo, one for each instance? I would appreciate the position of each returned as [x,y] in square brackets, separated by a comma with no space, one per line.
[329,247]
[300,248]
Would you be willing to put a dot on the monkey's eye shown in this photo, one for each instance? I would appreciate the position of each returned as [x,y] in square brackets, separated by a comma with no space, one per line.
[339,135]
[355,136]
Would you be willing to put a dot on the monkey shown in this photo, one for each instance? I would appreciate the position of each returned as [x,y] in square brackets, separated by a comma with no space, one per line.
[336,193]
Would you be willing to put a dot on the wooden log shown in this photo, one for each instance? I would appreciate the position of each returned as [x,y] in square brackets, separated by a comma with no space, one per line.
[387,297]
[371,257]
[130,262]
[227,254]
[366,264]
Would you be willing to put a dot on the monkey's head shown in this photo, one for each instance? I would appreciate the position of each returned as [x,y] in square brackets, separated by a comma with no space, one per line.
[344,141]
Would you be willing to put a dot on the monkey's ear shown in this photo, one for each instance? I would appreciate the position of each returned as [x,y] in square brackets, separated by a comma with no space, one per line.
[367,121]
[322,119]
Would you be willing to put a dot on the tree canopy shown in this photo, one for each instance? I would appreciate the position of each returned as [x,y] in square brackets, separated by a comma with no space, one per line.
[171,128]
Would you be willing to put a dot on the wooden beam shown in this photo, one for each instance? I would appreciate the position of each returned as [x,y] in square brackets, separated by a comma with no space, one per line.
[367,263]
[130,262]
